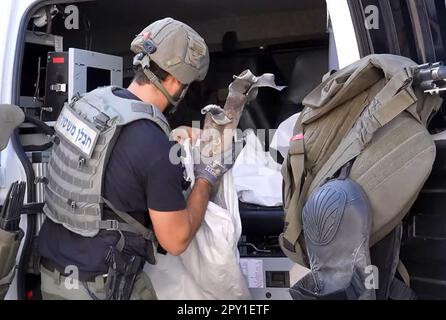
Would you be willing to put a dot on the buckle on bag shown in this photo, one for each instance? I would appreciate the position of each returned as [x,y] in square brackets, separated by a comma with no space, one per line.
[72,204]
[81,162]
[101,121]
[297,145]
[114,225]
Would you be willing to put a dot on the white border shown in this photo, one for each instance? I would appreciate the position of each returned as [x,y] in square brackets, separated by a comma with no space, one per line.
[344,32]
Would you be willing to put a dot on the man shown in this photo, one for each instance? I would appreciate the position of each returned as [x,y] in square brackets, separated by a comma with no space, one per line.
[139,186]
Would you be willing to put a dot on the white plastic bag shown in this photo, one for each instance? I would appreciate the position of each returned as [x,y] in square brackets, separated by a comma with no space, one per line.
[257,176]
[281,139]
[209,268]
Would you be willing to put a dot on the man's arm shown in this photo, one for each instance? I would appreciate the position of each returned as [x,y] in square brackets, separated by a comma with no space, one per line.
[176,229]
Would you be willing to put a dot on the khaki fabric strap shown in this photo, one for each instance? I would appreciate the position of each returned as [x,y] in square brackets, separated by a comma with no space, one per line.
[8,278]
[386,106]
[5,282]
[111,225]
[290,237]
[157,83]
[294,165]
[392,108]
[403,273]
[134,225]
[293,170]
[328,75]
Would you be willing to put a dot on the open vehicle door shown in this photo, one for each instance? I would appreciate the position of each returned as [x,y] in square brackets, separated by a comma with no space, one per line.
[415,29]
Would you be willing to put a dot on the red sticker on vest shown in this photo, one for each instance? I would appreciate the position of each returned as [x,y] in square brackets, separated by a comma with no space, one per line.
[297,137]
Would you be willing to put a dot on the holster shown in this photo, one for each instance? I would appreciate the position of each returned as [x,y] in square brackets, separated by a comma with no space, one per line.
[123,270]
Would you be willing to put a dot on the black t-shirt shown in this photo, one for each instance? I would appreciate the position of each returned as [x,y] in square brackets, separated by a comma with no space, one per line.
[139,176]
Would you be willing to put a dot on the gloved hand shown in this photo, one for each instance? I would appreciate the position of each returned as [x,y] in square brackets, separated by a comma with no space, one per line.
[212,168]
[183,133]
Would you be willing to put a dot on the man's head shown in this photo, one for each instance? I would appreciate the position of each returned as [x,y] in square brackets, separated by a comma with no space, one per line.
[169,56]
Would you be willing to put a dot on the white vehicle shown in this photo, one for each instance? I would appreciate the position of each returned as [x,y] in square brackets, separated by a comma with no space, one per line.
[52,49]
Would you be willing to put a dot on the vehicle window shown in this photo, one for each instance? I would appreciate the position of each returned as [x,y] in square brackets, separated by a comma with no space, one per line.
[415,29]
[437,20]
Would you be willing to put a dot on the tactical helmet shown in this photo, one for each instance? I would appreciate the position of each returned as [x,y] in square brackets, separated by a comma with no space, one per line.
[174,47]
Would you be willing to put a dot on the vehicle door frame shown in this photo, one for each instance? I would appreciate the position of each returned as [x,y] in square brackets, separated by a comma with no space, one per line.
[422,35]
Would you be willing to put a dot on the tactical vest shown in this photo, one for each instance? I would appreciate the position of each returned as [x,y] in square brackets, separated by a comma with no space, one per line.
[368,113]
[86,132]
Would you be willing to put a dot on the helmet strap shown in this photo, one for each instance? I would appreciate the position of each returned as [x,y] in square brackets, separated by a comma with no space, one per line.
[144,62]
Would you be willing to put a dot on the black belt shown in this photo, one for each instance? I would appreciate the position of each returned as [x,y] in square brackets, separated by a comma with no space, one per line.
[83,276]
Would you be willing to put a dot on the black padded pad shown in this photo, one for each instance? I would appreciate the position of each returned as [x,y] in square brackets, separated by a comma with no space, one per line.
[337,221]
[11,117]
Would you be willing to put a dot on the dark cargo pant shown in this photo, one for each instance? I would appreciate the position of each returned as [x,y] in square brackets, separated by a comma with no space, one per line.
[55,286]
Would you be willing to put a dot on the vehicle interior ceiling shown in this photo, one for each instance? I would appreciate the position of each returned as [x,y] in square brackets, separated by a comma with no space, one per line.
[288,38]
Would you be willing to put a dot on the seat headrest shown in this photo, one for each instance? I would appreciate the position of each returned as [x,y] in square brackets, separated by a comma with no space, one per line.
[308,71]
[11,117]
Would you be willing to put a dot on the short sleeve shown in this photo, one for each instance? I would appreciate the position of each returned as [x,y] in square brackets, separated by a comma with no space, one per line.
[164,185]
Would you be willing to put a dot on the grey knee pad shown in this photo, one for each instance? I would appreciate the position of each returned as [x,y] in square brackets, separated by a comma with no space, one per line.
[337,221]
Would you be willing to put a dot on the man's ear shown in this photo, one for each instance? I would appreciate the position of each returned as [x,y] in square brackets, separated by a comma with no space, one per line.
[172,83]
